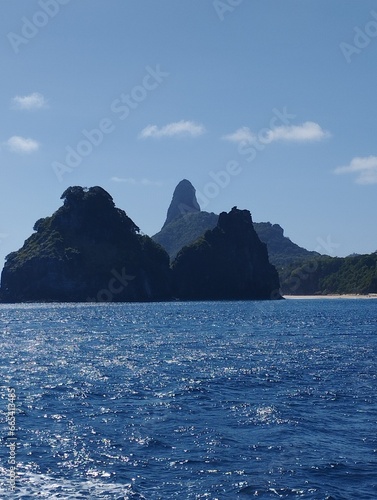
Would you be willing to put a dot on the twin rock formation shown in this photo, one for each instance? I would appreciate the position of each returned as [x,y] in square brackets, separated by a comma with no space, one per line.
[89,250]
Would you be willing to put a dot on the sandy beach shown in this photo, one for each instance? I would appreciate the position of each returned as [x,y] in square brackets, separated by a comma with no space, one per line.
[345,296]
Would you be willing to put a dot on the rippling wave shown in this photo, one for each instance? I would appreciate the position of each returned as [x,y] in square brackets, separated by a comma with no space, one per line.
[191,400]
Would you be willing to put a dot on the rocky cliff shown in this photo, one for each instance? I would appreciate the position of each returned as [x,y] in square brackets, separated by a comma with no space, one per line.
[183,202]
[227,263]
[185,223]
[184,230]
[87,250]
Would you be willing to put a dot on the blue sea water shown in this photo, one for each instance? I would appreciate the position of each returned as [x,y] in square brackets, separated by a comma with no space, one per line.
[210,400]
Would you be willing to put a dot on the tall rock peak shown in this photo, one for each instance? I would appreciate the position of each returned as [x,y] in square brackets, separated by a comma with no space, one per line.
[184,201]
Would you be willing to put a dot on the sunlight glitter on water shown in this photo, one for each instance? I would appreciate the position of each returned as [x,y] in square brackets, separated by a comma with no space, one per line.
[156,401]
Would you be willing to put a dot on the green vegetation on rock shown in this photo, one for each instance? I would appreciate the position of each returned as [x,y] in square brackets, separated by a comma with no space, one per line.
[185,223]
[281,250]
[228,262]
[185,230]
[87,250]
[356,274]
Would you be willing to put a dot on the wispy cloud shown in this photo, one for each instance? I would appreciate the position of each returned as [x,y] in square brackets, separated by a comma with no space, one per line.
[134,182]
[365,169]
[306,132]
[29,102]
[241,135]
[17,144]
[176,129]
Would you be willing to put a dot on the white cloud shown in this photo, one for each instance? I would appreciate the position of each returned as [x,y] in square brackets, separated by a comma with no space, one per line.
[176,129]
[364,167]
[134,182]
[29,102]
[18,144]
[306,132]
[241,135]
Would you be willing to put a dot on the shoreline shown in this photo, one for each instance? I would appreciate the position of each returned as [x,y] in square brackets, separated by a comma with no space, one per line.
[332,296]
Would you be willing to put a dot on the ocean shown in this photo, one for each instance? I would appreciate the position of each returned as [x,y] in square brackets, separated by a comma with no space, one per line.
[189,400]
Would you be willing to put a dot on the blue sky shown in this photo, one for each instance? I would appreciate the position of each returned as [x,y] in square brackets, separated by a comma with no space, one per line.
[267,105]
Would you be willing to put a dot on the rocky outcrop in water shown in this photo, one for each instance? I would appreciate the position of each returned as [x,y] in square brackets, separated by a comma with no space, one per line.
[227,263]
[186,223]
[88,250]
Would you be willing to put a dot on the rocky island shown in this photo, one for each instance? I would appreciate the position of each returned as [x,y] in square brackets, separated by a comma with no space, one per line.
[228,262]
[186,222]
[90,250]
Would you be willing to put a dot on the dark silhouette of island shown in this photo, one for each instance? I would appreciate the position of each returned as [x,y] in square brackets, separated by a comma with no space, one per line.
[185,223]
[301,271]
[228,262]
[89,250]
